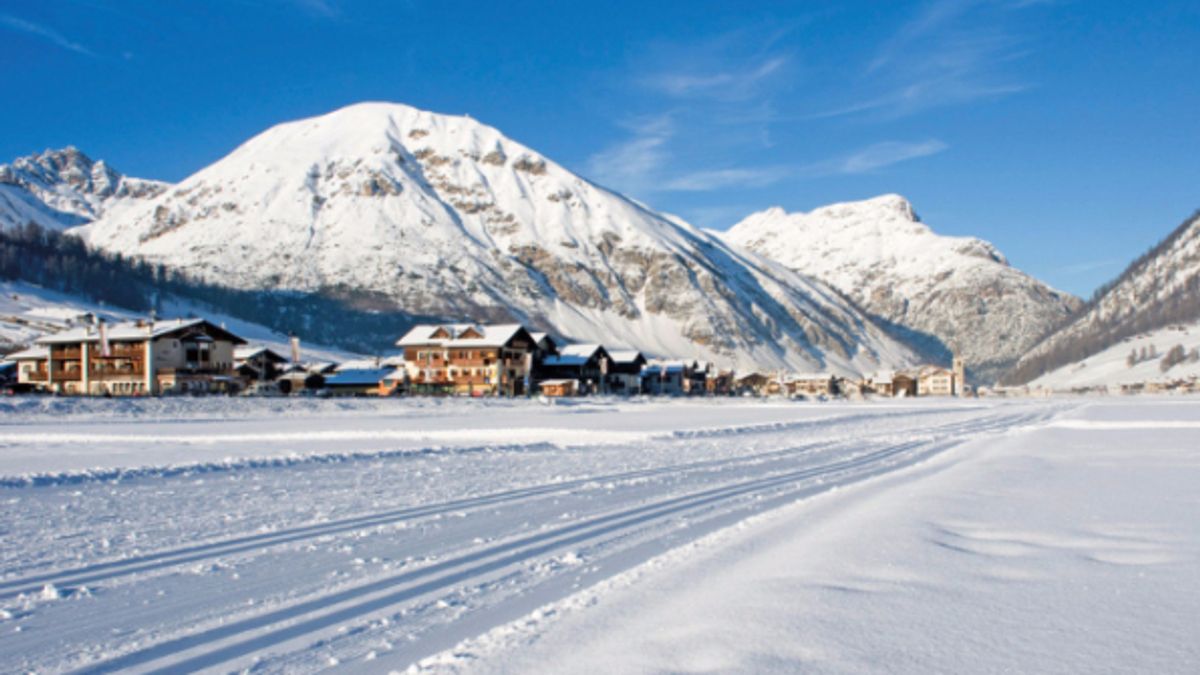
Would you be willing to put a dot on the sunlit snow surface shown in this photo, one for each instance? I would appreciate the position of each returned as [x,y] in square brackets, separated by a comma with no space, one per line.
[641,536]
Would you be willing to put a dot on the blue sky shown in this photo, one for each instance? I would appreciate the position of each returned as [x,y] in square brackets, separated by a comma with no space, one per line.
[1063,131]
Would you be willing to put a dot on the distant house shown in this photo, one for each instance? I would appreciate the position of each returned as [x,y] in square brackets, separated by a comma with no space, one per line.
[935,381]
[904,385]
[494,360]
[559,388]
[665,378]
[256,363]
[720,383]
[625,372]
[137,358]
[752,383]
[296,377]
[881,383]
[357,381]
[815,384]
[586,363]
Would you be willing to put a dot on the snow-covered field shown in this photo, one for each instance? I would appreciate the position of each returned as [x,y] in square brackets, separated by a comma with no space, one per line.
[600,536]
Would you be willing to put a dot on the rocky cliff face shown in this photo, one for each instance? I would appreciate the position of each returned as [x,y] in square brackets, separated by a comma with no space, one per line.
[62,188]
[445,216]
[949,294]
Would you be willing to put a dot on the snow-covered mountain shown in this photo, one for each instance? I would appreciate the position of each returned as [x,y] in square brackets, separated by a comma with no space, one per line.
[1158,290]
[58,189]
[959,293]
[445,216]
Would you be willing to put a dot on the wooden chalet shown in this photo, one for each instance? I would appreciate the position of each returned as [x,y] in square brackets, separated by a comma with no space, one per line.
[135,358]
[469,359]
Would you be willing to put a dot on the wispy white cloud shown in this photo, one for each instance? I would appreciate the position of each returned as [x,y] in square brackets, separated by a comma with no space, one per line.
[949,52]
[727,84]
[870,158]
[632,164]
[713,179]
[882,155]
[44,32]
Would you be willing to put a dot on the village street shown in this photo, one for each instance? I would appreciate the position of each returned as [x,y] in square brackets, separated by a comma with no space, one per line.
[300,535]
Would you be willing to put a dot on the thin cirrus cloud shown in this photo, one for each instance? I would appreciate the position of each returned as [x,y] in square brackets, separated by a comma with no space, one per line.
[723,84]
[46,33]
[950,52]
[881,155]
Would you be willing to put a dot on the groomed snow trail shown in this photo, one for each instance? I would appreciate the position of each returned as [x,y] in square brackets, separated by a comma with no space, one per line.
[375,558]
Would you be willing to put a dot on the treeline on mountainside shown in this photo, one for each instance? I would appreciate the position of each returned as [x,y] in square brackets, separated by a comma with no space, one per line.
[339,317]
[1181,306]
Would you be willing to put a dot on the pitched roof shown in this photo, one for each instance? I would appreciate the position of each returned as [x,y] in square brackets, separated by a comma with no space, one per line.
[247,352]
[626,356]
[565,360]
[135,331]
[34,352]
[492,336]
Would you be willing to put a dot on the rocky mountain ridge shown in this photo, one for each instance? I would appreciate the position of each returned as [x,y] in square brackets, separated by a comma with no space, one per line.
[948,294]
[57,189]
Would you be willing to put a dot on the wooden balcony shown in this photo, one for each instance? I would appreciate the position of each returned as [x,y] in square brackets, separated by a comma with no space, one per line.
[67,375]
[58,353]
[116,373]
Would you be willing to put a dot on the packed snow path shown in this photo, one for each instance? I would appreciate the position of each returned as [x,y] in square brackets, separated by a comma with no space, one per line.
[334,536]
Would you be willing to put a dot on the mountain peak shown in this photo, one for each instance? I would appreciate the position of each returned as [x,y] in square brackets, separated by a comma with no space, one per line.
[445,216]
[64,187]
[879,253]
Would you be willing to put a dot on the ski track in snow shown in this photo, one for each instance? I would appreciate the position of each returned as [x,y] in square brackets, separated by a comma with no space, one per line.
[383,558]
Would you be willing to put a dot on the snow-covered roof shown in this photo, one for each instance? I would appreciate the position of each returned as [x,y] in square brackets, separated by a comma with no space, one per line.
[625,355]
[490,335]
[555,383]
[247,352]
[32,353]
[127,331]
[395,360]
[395,374]
[358,364]
[587,351]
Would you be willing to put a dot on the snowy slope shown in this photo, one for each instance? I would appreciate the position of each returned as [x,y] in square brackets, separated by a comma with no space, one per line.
[1112,365]
[448,217]
[1159,289]
[959,290]
[62,188]
[28,312]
